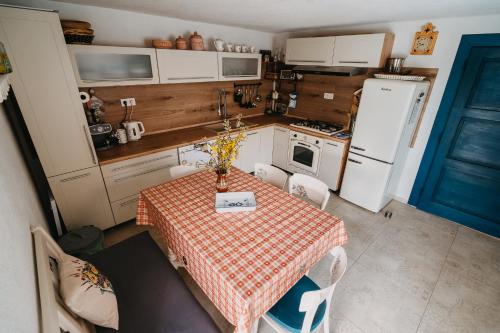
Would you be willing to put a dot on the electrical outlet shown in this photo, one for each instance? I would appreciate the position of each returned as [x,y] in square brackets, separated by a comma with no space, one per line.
[328,95]
[130,101]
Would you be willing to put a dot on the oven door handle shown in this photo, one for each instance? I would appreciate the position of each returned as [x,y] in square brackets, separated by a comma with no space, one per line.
[296,142]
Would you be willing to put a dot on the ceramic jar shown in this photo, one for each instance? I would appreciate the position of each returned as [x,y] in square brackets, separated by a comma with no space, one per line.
[196,42]
[181,43]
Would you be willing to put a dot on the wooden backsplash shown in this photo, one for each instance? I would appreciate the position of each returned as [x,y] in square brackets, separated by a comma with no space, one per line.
[162,107]
[310,101]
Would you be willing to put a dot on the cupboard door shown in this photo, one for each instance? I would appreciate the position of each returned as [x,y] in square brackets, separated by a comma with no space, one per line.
[178,66]
[239,66]
[266,145]
[46,90]
[127,178]
[359,50]
[280,150]
[81,198]
[98,66]
[125,209]
[310,51]
[331,163]
[249,151]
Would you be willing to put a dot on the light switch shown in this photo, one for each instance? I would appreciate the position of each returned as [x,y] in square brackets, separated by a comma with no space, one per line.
[328,95]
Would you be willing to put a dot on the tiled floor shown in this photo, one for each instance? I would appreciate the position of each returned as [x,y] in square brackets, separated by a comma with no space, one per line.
[414,272]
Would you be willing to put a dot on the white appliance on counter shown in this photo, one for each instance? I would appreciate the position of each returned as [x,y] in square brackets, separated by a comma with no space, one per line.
[386,119]
[304,153]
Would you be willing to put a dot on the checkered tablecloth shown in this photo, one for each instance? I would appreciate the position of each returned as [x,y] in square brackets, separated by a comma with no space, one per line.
[245,262]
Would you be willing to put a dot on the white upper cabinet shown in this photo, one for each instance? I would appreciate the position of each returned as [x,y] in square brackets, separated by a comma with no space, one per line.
[179,66]
[369,50]
[96,66]
[314,51]
[239,66]
[45,88]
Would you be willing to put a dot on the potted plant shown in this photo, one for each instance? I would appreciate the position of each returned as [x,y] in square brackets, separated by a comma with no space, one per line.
[224,151]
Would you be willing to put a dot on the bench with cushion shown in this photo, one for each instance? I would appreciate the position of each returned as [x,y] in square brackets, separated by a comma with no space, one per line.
[151,295]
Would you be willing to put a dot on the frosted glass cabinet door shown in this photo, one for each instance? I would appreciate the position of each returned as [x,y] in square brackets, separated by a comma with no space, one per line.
[239,66]
[112,66]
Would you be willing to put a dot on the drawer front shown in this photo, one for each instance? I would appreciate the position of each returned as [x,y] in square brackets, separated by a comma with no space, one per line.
[125,209]
[164,158]
[127,184]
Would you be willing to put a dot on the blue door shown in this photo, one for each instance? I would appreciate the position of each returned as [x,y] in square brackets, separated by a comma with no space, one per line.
[462,180]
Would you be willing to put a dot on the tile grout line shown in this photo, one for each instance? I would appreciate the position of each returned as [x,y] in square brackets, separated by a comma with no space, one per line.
[437,280]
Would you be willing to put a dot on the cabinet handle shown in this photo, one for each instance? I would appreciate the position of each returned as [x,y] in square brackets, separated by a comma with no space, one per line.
[141,163]
[117,180]
[318,61]
[358,148]
[352,62]
[332,144]
[191,78]
[252,133]
[354,161]
[281,130]
[128,202]
[89,143]
[240,75]
[83,175]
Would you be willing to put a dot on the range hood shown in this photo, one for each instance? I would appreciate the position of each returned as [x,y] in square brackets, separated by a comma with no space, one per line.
[329,70]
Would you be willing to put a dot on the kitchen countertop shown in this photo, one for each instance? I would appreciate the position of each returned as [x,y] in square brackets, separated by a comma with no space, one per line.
[154,143]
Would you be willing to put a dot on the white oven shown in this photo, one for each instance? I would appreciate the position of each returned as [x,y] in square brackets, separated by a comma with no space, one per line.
[304,153]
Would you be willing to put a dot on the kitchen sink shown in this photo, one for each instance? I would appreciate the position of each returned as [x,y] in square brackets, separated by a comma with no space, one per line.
[219,127]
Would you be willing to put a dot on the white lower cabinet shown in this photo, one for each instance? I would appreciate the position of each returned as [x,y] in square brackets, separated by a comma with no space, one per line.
[81,197]
[266,145]
[280,147]
[330,163]
[124,180]
[125,209]
[249,150]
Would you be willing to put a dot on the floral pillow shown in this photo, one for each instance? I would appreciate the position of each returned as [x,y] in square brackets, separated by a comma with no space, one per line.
[87,292]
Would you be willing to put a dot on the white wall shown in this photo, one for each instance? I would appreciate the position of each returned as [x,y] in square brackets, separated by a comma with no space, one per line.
[19,207]
[450,32]
[124,28]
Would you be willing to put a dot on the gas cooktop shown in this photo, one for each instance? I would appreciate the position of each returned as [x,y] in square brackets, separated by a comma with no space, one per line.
[318,126]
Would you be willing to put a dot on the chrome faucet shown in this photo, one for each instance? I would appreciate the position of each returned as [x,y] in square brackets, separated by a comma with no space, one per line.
[222,102]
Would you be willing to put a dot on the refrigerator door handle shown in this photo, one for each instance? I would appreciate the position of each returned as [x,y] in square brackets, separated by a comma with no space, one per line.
[358,148]
[354,161]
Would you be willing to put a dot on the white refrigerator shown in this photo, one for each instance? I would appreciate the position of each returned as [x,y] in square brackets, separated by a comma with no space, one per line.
[385,122]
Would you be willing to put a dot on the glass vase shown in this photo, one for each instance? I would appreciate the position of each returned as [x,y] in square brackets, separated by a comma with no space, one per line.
[221,184]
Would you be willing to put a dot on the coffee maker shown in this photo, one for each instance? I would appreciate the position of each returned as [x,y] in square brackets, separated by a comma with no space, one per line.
[102,136]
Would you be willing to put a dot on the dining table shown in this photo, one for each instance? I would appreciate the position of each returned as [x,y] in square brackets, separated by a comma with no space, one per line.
[243,261]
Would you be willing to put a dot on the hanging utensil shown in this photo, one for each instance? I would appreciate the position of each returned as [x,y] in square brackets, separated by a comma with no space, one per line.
[258,98]
[243,96]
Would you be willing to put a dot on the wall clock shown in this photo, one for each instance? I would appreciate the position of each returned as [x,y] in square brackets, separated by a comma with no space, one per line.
[424,41]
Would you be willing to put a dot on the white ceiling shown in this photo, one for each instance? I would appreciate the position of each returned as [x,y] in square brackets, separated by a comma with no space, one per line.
[290,15]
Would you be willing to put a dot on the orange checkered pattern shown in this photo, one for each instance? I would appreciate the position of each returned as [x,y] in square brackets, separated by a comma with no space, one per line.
[245,262]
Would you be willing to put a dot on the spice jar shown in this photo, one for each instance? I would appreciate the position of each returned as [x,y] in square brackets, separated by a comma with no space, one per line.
[196,42]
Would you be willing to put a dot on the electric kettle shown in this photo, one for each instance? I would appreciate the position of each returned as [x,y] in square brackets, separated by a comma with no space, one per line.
[134,129]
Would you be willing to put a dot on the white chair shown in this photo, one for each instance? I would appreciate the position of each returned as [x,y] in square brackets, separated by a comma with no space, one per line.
[309,188]
[306,305]
[179,171]
[271,174]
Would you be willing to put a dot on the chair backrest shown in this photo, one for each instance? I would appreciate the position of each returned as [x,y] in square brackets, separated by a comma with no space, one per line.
[54,315]
[311,300]
[271,174]
[309,188]
[179,171]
